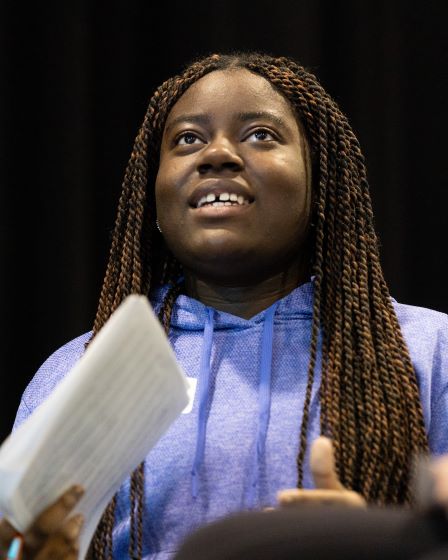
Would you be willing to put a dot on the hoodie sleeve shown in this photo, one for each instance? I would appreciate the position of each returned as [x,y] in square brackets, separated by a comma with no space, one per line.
[426,335]
[48,376]
[438,427]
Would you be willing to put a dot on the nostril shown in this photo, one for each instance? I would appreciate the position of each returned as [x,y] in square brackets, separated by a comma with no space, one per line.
[207,166]
[233,165]
[204,167]
[227,165]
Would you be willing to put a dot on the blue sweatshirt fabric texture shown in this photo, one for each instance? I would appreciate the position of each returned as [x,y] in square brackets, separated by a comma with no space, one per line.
[237,447]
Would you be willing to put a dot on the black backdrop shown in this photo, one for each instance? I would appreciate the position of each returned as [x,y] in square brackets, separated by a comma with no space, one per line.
[75,80]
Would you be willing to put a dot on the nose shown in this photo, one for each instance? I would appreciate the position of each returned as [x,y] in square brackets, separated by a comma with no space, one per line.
[220,155]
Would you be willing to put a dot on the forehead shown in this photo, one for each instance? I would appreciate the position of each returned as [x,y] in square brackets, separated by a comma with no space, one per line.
[231,91]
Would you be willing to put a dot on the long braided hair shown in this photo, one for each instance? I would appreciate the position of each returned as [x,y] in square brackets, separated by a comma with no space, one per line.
[369,395]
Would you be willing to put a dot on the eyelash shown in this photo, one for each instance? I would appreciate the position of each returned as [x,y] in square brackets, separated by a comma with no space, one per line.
[257,130]
[264,130]
[183,135]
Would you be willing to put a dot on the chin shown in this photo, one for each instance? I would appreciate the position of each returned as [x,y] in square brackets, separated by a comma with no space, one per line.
[233,267]
[221,257]
[214,246]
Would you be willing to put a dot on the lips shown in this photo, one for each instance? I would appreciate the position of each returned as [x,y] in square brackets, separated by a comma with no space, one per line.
[218,192]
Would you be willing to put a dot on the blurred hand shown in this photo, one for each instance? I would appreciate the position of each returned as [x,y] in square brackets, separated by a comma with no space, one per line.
[53,535]
[329,490]
[439,470]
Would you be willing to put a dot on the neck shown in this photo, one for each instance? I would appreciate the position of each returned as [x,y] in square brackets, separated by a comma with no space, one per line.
[246,300]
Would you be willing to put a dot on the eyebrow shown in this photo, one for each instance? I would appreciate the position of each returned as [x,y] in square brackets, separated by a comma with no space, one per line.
[267,115]
[202,118]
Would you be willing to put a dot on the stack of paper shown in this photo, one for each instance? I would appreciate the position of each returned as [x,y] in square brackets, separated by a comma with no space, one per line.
[99,423]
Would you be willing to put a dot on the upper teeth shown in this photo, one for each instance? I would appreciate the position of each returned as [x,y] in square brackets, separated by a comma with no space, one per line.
[223,199]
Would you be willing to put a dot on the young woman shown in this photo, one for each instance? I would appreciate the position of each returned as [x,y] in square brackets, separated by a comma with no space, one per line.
[245,217]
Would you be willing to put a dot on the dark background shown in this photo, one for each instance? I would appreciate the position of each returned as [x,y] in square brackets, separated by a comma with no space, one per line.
[75,81]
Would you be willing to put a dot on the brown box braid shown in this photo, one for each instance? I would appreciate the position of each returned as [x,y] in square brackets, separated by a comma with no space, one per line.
[369,395]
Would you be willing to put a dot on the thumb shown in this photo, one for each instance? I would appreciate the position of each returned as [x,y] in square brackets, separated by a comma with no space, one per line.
[322,465]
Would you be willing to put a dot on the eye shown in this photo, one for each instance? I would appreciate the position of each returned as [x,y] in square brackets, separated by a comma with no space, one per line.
[187,139]
[261,135]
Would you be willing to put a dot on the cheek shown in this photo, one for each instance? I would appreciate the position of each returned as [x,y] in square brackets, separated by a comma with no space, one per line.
[286,184]
[296,185]
[165,191]
[172,177]
[288,207]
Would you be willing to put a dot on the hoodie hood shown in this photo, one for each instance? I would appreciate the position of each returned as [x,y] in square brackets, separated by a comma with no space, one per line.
[191,314]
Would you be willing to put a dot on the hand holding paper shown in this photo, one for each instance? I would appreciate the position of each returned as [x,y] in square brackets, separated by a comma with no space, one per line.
[54,535]
[99,423]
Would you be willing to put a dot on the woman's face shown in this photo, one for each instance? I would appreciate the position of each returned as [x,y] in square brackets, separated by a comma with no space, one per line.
[233,187]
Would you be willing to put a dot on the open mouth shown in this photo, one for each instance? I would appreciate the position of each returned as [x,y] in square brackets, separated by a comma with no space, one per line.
[222,199]
[215,196]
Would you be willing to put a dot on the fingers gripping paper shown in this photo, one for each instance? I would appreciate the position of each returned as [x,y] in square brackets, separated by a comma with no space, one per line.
[99,423]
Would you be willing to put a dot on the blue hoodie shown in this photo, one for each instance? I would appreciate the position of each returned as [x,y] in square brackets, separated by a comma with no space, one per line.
[238,445]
